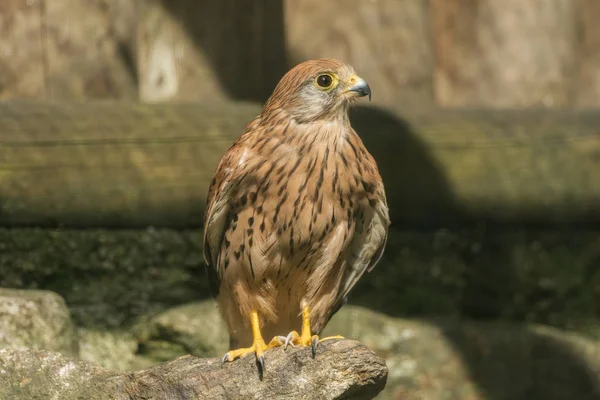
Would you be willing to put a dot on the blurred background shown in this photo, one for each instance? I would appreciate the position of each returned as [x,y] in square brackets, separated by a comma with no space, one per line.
[485,122]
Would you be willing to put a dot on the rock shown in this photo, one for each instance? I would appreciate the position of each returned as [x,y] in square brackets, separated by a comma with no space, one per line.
[452,360]
[341,370]
[36,319]
[114,350]
[196,327]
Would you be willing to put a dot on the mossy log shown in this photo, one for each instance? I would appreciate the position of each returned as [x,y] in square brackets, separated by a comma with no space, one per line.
[132,165]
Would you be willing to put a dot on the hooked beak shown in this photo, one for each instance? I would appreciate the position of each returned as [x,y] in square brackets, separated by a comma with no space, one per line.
[360,87]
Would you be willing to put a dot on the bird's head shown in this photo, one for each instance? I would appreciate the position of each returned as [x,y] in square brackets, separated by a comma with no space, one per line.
[317,90]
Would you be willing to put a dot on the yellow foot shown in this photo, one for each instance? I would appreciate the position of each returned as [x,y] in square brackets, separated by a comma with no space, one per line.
[258,348]
[306,340]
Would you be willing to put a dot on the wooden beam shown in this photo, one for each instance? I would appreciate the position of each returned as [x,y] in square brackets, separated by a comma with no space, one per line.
[133,165]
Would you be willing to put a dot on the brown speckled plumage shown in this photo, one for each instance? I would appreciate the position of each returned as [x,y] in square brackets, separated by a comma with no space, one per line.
[296,212]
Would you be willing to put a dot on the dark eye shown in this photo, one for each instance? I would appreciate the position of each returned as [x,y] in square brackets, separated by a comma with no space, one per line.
[324,81]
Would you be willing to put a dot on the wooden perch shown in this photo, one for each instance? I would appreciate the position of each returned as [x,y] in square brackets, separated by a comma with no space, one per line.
[341,370]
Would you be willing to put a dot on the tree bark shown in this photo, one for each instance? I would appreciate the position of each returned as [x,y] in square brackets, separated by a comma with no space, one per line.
[128,165]
[341,370]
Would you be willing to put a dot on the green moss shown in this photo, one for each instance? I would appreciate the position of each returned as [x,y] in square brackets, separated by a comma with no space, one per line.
[109,278]
[549,277]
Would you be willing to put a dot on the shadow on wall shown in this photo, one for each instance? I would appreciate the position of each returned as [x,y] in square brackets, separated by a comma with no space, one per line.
[415,184]
[244,41]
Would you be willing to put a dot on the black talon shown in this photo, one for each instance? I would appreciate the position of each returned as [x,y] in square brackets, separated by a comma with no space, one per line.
[261,362]
[314,346]
[224,359]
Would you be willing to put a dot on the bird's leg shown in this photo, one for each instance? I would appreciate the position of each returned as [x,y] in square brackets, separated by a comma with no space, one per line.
[258,347]
[306,338]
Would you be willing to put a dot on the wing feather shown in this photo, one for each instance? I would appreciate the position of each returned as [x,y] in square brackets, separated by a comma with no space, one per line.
[364,251]
[218,206]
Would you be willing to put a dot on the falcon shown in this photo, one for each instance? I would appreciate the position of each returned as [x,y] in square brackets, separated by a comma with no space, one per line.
[296,213]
